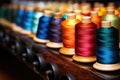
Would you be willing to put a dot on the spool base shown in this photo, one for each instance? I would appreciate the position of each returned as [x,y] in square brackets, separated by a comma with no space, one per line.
[25,32]
[54,45]
[40,40]
[32,35]
[67,51]
[107,67]
[83,59]
[16,28]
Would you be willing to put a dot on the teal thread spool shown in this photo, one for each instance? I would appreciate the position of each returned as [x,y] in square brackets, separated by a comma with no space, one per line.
[37,14]
[107,48]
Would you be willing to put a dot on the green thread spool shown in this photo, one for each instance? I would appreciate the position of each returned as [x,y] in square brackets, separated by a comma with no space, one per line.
[2,11]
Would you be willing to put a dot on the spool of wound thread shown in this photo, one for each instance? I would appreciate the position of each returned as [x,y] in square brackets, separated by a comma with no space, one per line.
[107,48]
[114,19]
[2,11]
[95,18]
[55,31]
[14,12]
[68,34]
[42,35]
[64,16]
[19,15]
[27,20]
[85,41]
[9,10]
[37,14]
[102,10]
[85,9]
[78,14]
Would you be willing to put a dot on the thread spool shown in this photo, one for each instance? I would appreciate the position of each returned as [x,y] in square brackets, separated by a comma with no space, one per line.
[107,61]
[111,4]
[85,9]
[64,16]
[95,18]
[14,10]
[38,12]
[55,32]
[2,11]
[85,41]
[39,36]
[27,20]
[102,10]
[68,34]
[115,20]
[78,14]
[19,15]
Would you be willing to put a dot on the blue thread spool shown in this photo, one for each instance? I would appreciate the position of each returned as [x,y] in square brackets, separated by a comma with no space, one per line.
[19,15]
[27,20]
[55,35]
[43,27]
[37,14]
[107,48]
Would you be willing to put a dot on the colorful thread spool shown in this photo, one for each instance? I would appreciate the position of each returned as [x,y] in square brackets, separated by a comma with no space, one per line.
[85,9]
[107,48]
[78,14]
[42,35]
[19,15]
[27,20]
[68,34]
[95,18]
[14,12]
[102,10]
[55,35]
[111,4]
[115,20]
[2,11]
[64,16]
[85,41]
[37,14]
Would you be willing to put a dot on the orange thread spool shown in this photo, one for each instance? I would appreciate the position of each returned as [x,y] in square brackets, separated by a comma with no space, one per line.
[68,34]
[95,18]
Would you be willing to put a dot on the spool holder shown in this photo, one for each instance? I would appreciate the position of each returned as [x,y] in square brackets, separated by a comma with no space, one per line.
[51,71]
[38,62]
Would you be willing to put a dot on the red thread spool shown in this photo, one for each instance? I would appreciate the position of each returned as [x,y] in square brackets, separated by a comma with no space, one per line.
[85,41]
[95,18]
[68,34]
